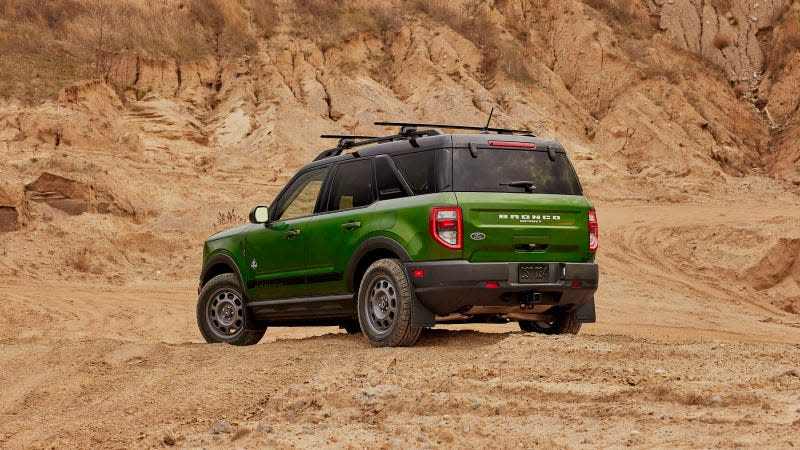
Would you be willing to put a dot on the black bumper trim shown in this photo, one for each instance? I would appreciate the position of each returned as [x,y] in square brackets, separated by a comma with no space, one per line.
[448,286]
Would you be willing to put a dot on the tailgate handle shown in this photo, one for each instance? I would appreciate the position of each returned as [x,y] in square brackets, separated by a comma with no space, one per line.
[530,247]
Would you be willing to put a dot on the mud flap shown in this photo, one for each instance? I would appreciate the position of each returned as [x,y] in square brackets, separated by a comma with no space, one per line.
[421,316]
[585,314]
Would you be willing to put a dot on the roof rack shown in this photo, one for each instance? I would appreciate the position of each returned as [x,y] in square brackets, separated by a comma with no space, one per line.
[408,131]
[350,141]
[413,126]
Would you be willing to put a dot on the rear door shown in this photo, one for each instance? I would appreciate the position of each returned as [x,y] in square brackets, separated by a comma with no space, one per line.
[348,218]
[520,204]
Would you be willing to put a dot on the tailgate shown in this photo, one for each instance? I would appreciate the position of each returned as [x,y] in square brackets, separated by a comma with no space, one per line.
[524,227]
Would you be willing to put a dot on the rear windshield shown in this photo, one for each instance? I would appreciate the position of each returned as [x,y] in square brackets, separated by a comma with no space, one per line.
[513,170]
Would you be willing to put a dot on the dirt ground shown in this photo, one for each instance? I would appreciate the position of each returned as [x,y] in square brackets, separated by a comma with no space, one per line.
[684,354]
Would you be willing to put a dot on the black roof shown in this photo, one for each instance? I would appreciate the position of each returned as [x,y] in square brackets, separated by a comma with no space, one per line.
[434,142]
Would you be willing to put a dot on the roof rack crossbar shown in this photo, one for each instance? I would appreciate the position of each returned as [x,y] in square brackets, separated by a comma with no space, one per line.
[453,127]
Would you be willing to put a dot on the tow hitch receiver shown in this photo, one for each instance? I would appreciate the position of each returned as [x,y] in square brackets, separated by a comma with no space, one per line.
[529,299]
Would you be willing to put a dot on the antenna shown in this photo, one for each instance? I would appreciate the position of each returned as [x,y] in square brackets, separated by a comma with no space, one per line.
[486,128]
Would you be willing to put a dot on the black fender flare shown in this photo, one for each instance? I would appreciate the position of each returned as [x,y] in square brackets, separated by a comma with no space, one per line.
[221,258]
[371,244]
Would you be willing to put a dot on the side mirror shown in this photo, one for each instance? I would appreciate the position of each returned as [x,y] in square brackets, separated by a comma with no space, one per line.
[259,214]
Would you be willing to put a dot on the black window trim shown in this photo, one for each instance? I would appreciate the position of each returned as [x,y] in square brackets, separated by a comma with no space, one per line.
[408,191]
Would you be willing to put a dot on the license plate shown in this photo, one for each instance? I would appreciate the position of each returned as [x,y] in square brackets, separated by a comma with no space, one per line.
[534,273]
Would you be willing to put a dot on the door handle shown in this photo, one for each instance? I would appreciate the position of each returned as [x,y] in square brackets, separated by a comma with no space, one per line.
[351,226]
[292,233]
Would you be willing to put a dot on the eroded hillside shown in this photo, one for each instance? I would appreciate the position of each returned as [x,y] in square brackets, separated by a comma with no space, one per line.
[123,172]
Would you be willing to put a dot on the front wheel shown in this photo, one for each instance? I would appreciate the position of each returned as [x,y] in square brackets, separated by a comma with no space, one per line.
[384,305]
[562,323]
[222,315]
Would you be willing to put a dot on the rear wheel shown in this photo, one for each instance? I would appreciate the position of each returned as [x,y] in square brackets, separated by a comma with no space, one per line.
[384,305]
[222,315]
[562,323]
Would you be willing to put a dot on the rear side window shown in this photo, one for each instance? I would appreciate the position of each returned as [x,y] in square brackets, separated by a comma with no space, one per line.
[493,170]
[352,186]
[419,171]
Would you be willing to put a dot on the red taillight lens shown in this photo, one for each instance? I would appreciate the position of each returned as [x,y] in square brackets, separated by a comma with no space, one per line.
[446,227]
[594,234]
[418,273]
[512,144]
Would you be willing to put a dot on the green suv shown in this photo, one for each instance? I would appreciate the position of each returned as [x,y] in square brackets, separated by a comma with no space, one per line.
[406,231]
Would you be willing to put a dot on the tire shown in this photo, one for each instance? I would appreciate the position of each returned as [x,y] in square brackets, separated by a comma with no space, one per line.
[564,323]
[384,305]
[351,327]
[223,316]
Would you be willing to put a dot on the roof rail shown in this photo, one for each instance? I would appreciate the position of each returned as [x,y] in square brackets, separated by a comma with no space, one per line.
[413,126]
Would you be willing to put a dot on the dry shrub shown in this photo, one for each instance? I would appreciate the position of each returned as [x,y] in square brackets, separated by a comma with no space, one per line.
[81,261]
[739,90]
[265,16]
[721,41]
[227,219]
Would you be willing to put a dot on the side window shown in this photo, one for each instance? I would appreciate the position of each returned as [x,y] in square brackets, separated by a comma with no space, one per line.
[419,170]
[301,197]
[388,185]
[352,186]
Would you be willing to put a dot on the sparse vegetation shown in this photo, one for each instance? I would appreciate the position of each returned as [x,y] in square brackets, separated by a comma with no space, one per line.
[331,23]
[227,219]
[499,54]
[49,44]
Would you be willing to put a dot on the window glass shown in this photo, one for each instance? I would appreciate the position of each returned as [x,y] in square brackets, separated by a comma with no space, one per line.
[352,186]
[388,185]
[301,197]
[419,170]
[492,170]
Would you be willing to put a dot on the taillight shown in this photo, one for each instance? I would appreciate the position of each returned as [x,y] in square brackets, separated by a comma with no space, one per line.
[594,234]
[446,227]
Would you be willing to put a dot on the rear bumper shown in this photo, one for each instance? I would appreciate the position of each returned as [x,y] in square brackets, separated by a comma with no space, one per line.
[451,286]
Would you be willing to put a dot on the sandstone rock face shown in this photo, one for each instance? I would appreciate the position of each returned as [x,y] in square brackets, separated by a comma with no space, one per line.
[725,32]
[10,211]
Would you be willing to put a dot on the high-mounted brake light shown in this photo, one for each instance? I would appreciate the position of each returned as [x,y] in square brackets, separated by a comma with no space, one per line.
[512,144]
[446,226]
[594,233]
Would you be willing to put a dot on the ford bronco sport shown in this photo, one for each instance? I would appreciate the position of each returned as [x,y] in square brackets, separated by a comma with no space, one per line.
[407,231]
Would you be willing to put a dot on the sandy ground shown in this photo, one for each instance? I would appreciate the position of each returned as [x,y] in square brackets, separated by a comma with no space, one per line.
[682,356]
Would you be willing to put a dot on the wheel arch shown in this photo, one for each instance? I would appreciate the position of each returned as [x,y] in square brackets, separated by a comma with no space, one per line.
[368,252]
[217,265]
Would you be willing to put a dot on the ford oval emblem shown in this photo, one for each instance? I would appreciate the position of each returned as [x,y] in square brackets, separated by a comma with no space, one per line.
[477,236]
